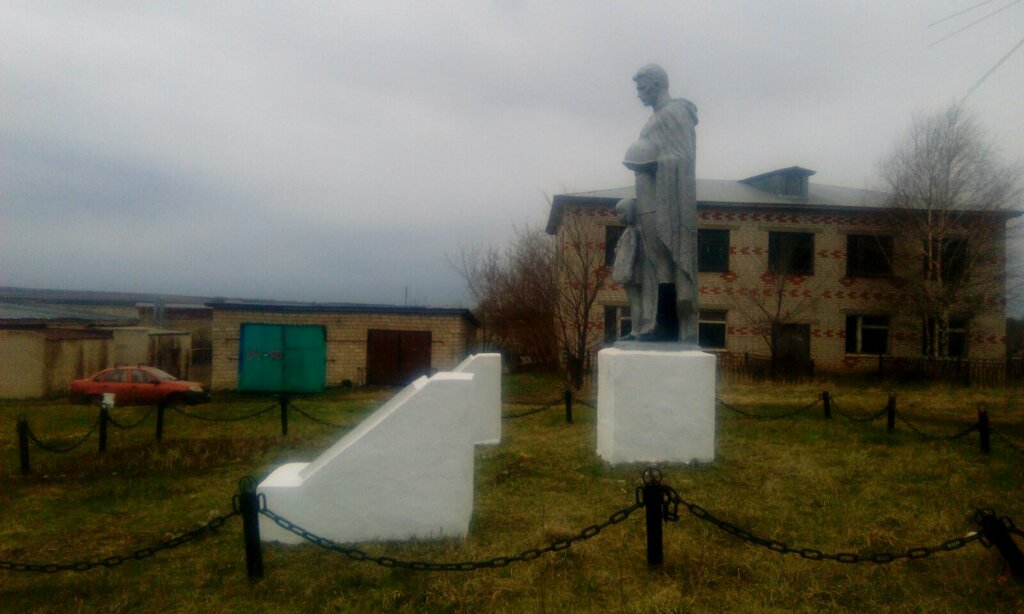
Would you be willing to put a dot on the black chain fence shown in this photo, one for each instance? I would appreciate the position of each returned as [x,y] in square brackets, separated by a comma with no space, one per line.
[660,501]
[312,418]
[55,449]
[529,412]
[853,418]
[254,414]
[137,555]
[414,565]
[133,424]
[780,416]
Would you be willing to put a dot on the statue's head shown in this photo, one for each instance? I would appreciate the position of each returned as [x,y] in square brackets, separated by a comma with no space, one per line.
[651,84]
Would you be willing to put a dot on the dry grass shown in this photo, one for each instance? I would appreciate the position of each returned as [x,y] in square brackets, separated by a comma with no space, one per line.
[837,486]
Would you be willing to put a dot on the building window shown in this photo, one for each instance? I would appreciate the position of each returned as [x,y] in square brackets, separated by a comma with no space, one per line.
[711,329]
[713,250]
[948,256]
[868,256]
[953,344]
[612,234]
[617,323]
[791,253]
[867,334]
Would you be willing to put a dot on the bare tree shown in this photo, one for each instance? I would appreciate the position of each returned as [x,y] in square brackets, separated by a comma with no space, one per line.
[781,299]
[514,294]
[949,203]
[582,274]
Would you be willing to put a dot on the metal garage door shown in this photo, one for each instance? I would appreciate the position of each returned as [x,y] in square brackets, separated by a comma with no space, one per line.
[396,357]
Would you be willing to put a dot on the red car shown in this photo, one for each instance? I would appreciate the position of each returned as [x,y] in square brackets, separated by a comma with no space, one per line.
[137,385]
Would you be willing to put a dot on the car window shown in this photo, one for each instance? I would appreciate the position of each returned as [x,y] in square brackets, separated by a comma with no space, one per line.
[115,376]
[141,377]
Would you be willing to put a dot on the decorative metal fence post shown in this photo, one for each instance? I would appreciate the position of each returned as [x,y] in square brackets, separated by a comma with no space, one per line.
[826,403]
[890,413]
[984,433]
[104,418]
[568,406]
[249,506]
[652,512]
[23,443]
[160,420]
[284,415]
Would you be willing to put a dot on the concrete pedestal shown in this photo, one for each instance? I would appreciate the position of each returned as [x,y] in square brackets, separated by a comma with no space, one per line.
[486,370]
[404,472]
[655,405]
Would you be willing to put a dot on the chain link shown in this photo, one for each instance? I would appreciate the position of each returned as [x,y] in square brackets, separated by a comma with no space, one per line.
[922,434]
[58,450]
[493,563]
[111,420]
[817,555]
[852,418]
[114,561]
[210,419]
[789,414]
[313,418]
[1009,442]
[530,412]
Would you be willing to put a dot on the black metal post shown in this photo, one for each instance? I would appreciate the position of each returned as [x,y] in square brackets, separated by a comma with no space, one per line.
[999,536]
[826,403]
[284,415]
[249,506]
[984,433]
[104,417]
[160,420]
[890,413]
[23,444]
[652,513]
[568,406]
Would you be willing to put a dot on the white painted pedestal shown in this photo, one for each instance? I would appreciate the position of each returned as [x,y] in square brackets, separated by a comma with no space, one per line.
[655,406]
[405,472]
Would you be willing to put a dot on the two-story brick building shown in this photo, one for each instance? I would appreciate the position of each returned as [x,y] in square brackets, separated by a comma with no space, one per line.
[803,267]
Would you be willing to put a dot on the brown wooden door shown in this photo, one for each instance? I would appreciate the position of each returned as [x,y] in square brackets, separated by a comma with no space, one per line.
[396,357]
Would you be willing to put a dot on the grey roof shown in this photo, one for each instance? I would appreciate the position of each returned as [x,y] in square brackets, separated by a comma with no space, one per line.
[35,312]
[726,192]
[345,308]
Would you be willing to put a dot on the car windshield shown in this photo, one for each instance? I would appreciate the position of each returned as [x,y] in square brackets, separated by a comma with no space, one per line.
[161,375]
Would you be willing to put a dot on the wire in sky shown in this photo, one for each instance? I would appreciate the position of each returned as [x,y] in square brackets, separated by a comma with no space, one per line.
[967,10]
[992,70]
[975,22]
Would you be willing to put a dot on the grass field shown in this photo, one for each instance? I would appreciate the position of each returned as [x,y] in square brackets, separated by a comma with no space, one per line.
[832,485]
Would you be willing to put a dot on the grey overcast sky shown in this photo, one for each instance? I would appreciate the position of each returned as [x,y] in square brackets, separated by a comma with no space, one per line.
[337,151]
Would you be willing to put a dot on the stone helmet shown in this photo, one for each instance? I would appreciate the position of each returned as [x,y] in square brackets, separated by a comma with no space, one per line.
[640,155]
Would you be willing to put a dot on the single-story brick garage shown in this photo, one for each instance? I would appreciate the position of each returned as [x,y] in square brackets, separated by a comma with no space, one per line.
[365,344]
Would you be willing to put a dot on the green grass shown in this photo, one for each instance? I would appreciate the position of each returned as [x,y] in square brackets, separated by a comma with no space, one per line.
[836,486]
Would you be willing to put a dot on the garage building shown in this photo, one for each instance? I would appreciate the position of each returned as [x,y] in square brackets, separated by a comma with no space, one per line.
[365,344]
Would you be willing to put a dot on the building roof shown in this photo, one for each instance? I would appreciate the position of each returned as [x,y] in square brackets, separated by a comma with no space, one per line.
[729,193]
[29,313]
[345,308]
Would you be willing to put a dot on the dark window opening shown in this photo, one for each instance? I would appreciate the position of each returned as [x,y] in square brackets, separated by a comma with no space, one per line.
[947,261]
[867,334]
[952,344]
[868,256]
[791,253]
[711,329]
[617,323]
[612,234]
[713,250]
